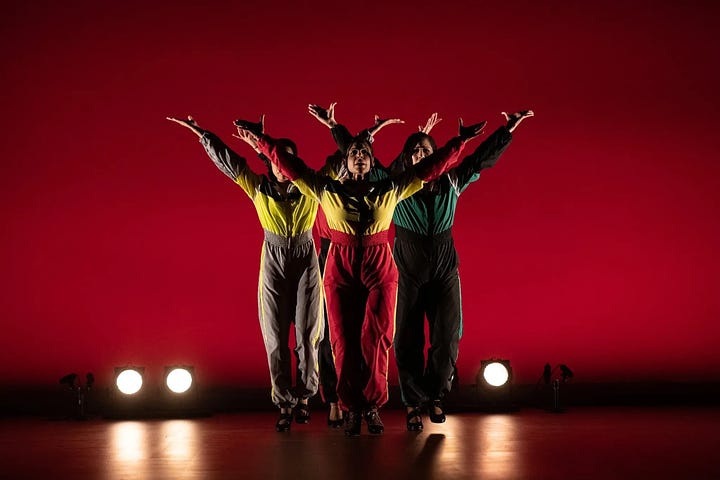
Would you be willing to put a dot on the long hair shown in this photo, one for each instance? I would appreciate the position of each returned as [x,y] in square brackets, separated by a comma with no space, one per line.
[409,148]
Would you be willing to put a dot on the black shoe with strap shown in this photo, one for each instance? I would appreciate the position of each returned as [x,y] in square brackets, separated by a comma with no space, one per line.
[374,423]
[353,423]
[283,423]
[302,413]
[436,417]
[416,426]
[335,423]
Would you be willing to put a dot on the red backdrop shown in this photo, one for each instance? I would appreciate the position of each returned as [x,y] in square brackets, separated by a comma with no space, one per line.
[593,242]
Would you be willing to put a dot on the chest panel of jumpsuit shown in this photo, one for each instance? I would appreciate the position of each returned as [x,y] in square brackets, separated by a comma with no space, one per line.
[431,212]
[285,217]
[359,214]
[428,214]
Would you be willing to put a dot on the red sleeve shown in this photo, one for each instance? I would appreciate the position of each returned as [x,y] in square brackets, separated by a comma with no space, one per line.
[429,168]
[290,165]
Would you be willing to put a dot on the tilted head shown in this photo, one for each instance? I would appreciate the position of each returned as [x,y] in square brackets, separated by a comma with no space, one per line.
[418,146]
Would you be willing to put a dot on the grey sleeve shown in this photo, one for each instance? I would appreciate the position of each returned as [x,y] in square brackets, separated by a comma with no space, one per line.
[224,158]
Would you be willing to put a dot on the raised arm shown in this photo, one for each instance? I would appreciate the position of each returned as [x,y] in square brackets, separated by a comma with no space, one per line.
[224,158]
[342,136]
[291,166]
[488,153]
[434,165]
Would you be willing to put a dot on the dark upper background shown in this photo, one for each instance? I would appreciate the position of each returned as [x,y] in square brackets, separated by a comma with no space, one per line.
[593,242]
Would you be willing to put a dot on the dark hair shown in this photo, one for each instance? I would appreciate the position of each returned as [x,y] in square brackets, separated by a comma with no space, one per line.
[286,142]
[361,139]
[409,147]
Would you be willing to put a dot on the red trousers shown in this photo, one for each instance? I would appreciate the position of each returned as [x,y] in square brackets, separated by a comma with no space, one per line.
[361,289]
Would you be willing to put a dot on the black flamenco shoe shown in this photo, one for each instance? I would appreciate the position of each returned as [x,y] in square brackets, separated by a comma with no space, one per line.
[436,417]
[353,422]
[335,423]
[283,423]
[302,413]
[414,426]
[375,425]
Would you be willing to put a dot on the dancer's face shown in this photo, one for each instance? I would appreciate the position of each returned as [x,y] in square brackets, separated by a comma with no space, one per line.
[359,158]
[421,150]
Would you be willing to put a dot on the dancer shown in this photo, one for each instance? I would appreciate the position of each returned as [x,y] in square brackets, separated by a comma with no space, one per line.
[328,373]
[289,288]
[360,275]
[429,284]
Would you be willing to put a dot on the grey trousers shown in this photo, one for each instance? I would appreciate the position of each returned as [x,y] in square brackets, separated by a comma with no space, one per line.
[289,292]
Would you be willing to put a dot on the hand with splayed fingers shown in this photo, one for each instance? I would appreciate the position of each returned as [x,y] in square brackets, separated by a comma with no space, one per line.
[514,119]
[189,123]
[471,131]
[431,122]
[324,116]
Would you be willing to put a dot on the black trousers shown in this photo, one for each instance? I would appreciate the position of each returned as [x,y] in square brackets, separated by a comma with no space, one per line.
[428,286]
[328,375]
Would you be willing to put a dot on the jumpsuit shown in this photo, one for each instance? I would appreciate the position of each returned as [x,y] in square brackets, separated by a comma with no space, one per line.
[429,284]
[289,285]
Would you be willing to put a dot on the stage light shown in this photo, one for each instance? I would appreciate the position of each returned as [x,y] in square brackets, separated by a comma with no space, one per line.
[69,380]
[559,379]
[565,372]
[129,380]
[496,374]
[80,391]
[179,379]
[494,385]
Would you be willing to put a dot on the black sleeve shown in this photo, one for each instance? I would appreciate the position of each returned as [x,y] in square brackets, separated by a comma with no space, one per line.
[342,136]
[485,156]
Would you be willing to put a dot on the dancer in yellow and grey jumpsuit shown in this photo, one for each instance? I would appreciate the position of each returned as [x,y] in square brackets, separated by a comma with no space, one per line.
[289,287]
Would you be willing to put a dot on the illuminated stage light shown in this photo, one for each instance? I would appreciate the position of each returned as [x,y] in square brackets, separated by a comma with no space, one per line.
[494,385]
[496,373]
[179,379]
[129,380]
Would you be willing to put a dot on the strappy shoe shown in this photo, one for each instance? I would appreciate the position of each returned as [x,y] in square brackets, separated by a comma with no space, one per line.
[374,423]
[302,413]
[414,426]
[353,423]
[335,423]
[436,417]
[283,423]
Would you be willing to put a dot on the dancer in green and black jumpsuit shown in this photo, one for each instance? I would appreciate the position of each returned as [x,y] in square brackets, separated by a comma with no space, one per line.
[428,283]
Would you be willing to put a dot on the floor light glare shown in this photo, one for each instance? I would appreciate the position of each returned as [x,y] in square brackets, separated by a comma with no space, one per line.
[129,380]
[179,379]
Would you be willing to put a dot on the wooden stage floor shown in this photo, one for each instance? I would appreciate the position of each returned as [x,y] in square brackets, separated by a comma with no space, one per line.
[583,443]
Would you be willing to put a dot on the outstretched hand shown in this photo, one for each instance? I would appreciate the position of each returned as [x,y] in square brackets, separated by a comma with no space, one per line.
[189,123]
[324,116]
[514,119]
[381,123]
[248,137]
[471,131]
[431,122]
[258,128]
